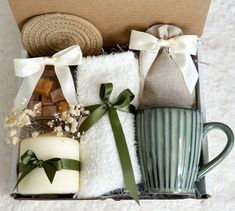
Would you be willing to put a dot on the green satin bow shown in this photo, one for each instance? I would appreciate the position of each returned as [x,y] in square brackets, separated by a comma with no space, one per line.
[29,162]
[98,111]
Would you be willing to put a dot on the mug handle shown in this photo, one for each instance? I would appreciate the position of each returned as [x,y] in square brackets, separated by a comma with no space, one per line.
[230,141]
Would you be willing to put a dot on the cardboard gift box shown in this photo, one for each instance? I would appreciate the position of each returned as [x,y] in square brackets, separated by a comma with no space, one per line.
[115,19]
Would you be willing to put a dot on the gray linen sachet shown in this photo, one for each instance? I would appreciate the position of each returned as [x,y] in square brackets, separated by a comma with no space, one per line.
[164,85]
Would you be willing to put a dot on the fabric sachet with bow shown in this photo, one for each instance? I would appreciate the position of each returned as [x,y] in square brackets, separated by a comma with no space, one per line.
[168,73]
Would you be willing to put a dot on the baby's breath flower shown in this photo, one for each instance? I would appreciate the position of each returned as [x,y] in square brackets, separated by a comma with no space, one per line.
[15,140]
[70,120]
[30,112]
[58,129]
[35,134]
[50,123]
[86,112]
[65,124]
[78,134]
[74,127]
[59,134]
[16,120]
[73,112]
[65,116]
[12,132]
[66,128]
[73,130]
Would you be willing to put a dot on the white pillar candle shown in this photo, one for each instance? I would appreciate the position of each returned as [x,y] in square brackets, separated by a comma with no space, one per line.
[46,147]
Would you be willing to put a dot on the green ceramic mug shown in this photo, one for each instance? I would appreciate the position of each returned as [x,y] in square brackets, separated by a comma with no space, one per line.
[169,148]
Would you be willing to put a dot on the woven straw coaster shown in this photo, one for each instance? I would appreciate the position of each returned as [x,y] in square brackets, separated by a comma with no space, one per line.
[44,35]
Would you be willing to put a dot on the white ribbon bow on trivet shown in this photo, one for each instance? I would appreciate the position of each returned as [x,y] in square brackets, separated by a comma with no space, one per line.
[180,48]
[32,69]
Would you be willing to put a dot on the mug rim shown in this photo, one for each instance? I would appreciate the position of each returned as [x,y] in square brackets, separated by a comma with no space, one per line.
[179,108]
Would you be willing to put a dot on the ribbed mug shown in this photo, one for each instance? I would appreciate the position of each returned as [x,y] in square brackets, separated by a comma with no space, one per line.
[169,148]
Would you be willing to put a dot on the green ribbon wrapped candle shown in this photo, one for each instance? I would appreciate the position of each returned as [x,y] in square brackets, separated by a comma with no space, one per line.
[122,103]
[29,162]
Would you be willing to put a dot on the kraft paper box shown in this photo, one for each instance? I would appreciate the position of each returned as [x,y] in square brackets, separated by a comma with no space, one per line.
[115,20]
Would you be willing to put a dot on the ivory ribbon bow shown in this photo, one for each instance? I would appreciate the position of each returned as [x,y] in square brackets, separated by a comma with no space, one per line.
[180,49]
[32,69]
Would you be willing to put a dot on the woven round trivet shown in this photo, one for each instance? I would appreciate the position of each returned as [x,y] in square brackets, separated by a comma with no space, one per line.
[44,35]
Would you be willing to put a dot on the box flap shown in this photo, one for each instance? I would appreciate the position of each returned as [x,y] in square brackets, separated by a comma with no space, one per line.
[115,18]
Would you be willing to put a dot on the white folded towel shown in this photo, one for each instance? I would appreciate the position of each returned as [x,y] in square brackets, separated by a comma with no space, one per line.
[101,170]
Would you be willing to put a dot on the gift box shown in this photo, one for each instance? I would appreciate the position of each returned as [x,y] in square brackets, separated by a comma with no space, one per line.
[115,20]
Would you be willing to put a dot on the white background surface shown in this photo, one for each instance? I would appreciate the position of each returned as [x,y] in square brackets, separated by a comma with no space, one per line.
[217,48]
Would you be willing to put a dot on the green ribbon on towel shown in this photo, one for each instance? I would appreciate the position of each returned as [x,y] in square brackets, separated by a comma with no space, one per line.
[122,103]
[29,162]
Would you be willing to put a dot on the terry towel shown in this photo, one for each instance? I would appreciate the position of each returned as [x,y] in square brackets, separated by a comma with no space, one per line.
[101,170]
